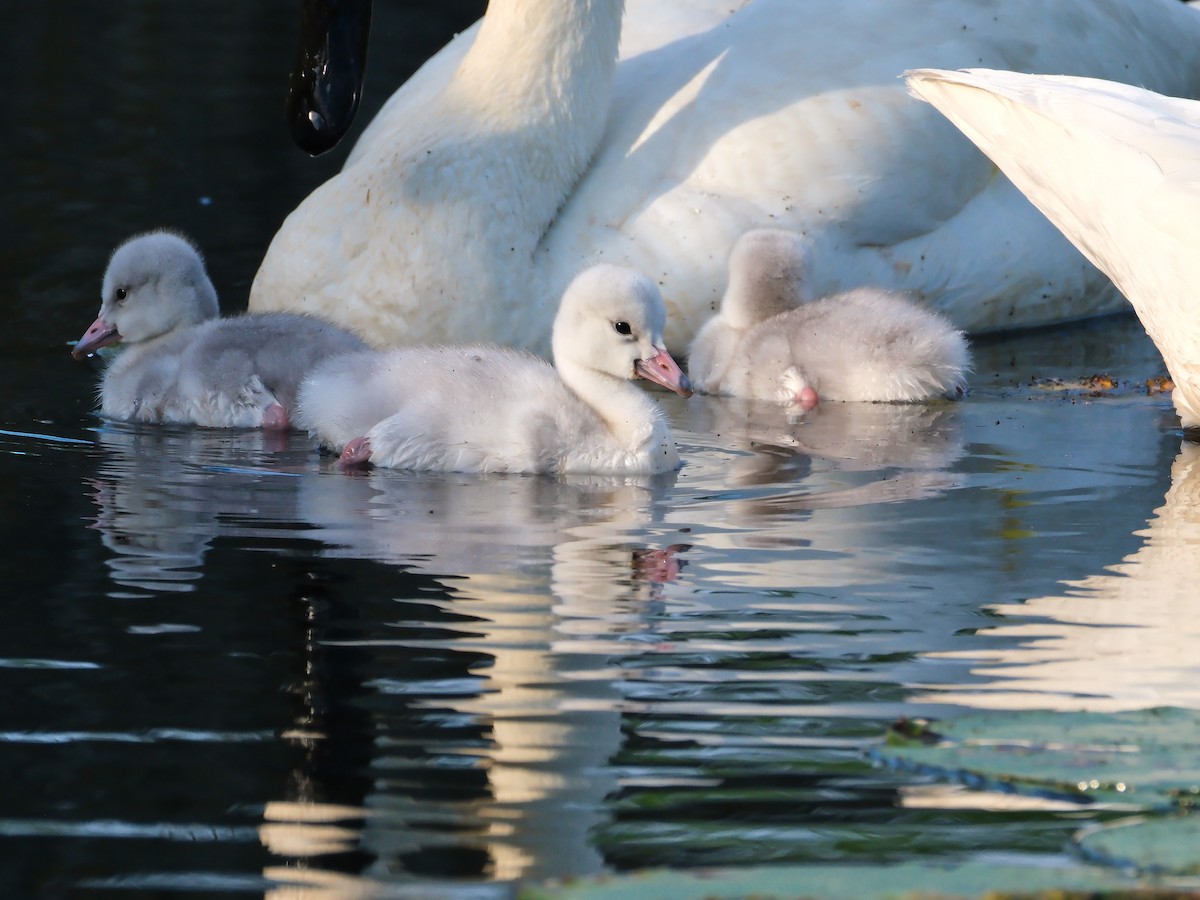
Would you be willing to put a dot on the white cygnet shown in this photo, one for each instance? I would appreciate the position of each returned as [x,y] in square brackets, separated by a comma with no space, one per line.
[485,408]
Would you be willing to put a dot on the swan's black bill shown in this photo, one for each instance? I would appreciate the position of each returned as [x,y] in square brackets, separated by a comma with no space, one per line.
[327,78]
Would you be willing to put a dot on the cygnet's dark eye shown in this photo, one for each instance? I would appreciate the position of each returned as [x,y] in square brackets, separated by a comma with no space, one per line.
[121,294]
[622,327]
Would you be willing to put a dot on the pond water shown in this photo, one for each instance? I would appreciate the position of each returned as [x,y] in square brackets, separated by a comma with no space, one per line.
[230,668]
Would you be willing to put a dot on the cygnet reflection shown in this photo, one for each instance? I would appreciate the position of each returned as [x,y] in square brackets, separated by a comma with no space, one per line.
[542,573]
[163,494]
[791,458]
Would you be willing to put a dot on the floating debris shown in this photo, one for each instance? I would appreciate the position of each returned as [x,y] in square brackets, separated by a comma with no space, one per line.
[1159,384]
[1099,383]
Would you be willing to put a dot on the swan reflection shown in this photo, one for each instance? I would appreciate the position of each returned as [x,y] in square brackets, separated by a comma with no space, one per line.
[911,444]
[518,560]
[1124,638]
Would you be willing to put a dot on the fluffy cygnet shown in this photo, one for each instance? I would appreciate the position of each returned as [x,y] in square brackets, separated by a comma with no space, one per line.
[771,341]
[184,364]
[484,408]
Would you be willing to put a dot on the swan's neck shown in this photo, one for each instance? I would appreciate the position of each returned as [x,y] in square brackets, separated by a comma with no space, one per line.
[762,298]
[543,64]
[628,413]
[535,86]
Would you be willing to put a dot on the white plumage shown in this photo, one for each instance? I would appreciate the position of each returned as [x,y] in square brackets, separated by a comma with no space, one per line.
[771,341]
[182,363]
[483,408]
[525,151]
[1117,170]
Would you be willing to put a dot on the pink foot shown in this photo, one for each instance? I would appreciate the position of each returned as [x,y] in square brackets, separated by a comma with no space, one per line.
[659,566]
[806,398]
[355,454]
[275,418]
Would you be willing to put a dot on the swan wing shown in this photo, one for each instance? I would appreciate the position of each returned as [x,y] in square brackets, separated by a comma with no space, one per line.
[1117,169]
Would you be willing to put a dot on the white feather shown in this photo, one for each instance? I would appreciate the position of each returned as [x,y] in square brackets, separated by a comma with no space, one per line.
[484,408]
[1117,169]
[526,150]
[769,342]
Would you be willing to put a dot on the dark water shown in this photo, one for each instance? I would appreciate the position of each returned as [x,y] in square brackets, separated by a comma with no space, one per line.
[228,668]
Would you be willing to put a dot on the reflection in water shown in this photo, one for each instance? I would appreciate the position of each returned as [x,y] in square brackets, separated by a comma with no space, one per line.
[160,495]
[517,677]
[561,675]
[517,555]
[918,441]
[795,498]
[523,556]
[858,436]
[1122,639]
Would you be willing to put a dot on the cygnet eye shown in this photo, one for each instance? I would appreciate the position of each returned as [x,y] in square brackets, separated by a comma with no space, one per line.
[121,294]
[622,328]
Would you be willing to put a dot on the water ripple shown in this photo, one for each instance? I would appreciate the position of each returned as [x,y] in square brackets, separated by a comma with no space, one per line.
[149,736]
[113,828]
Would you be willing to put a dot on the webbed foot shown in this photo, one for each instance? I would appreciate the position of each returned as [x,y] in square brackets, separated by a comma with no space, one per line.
[355,454]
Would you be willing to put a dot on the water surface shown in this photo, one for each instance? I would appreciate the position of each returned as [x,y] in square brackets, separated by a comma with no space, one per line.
[228,667]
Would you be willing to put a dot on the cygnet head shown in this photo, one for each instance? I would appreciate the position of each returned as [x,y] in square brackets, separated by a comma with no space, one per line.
[154,283]
[611,320]
[766,277]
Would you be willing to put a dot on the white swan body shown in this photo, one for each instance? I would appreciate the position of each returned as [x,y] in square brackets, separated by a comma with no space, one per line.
[483,408]
[771,341]
[1117,169]
[182,364]
[508,163]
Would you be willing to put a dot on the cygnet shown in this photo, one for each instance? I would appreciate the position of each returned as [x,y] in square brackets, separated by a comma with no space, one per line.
[184,364]
[485,408]
[772,341]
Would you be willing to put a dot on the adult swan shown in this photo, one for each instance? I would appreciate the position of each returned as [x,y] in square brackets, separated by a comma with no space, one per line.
[525,150]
